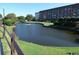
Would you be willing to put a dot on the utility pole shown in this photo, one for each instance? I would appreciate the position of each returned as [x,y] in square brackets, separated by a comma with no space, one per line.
[3,22]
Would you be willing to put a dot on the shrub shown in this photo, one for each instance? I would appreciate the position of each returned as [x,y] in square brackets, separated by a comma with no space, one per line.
[77,40]
[9,22]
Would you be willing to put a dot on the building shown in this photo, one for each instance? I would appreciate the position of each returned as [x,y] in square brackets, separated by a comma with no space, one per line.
[68,11]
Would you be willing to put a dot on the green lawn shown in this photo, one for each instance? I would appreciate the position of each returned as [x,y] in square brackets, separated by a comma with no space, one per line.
[6,48]
[34,49]
[29,48]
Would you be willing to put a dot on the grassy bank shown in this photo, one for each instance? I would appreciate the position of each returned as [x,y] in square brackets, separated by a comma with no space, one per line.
[6,48]
[34,49]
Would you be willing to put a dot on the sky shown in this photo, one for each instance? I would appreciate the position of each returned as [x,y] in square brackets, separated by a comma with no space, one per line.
[22,9]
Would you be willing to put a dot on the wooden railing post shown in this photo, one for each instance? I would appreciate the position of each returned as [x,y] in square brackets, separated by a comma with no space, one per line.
[12,43]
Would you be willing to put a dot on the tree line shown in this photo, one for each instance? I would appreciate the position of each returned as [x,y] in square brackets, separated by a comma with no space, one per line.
[11,19]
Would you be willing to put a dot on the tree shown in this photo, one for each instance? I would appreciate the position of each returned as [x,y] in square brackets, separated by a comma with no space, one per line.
[0,15]
[9,22]
[29,17]
[34,19]
[11,16]
[21,19]
[10,19]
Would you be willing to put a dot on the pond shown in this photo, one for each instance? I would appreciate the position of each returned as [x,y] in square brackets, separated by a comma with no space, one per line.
[38,34]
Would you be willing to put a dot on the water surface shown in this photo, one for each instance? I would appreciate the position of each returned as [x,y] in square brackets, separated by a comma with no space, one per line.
[38,34]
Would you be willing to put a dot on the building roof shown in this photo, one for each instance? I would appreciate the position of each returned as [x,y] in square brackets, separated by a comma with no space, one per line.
[59,7]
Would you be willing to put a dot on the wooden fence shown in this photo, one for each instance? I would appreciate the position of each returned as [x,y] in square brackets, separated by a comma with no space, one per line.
[15,49]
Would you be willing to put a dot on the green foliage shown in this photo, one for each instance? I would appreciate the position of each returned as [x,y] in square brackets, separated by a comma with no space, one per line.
[29,17]
[11,16]
[9,22]
[77,40]
[10,19]
[21,19]
[34,19]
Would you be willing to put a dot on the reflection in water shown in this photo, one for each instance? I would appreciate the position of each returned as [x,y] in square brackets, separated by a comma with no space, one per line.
[36,33]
